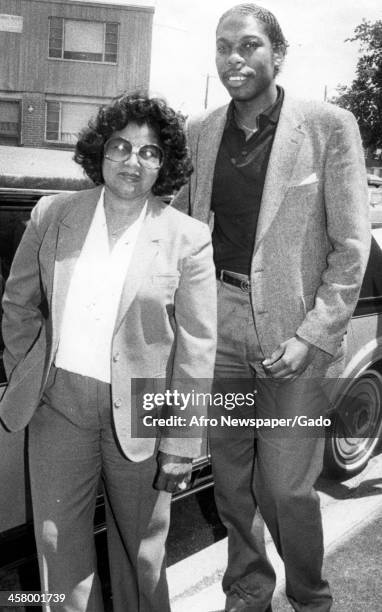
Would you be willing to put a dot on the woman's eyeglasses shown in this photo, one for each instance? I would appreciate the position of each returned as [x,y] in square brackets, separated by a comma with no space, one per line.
[119,150]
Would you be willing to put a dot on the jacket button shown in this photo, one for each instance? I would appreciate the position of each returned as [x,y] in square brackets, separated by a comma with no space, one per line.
[115,357]
[117,403]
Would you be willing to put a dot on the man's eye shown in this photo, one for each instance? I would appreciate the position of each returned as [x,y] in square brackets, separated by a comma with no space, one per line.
[221,49]
[251,45]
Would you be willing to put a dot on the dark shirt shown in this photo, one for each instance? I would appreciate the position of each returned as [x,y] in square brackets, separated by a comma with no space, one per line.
[238,184]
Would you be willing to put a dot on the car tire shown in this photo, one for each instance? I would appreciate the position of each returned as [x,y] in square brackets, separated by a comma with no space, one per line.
[356,427]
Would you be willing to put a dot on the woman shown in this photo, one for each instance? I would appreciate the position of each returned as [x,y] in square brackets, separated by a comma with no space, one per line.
[108,285]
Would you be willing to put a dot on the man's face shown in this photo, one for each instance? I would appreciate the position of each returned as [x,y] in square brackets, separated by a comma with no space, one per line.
[245,59]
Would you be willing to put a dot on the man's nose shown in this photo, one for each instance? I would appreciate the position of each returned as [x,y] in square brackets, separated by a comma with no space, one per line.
[235,59]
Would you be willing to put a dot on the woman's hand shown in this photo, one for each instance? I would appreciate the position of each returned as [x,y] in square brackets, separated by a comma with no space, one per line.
[174,472]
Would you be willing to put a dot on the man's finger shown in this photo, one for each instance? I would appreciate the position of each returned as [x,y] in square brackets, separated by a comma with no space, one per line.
[276,355]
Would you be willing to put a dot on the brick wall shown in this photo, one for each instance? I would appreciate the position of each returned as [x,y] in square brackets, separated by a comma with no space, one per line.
[33,120]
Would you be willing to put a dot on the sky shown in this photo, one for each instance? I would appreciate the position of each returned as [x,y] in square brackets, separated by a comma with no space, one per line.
[183,47]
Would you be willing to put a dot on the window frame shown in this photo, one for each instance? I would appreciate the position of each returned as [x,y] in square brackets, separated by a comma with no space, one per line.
[105,24]
[60,104]
[13,135]
[47,102]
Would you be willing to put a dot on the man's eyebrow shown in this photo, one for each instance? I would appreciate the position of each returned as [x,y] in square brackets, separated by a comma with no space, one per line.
[242,39]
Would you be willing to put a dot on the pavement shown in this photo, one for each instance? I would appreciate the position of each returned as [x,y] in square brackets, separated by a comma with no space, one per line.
[26,167]
[352,520]
[20,161]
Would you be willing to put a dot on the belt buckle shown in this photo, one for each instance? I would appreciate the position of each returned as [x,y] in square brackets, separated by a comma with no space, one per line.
[245,285]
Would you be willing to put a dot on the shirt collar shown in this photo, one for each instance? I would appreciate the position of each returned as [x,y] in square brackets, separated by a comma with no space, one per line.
[269,115]
[131,232]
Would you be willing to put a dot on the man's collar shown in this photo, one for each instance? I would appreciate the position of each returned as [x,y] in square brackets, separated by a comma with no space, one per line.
[269,115]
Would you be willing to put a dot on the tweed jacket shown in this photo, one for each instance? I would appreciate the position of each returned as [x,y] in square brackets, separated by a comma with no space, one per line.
[166,323]
[313,232]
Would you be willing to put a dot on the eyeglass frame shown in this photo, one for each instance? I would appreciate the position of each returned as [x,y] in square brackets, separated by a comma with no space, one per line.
[134,150]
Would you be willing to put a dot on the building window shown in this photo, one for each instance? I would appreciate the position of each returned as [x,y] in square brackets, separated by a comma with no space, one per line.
[64,120]
[9,122]
[90,41]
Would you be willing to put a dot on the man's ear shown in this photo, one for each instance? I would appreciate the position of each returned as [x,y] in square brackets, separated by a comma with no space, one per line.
[278,58]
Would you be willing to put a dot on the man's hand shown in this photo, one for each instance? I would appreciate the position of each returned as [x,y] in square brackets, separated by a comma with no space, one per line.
[290,358]
[174,473]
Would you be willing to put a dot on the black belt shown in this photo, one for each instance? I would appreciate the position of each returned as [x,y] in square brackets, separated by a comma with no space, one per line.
[226,277]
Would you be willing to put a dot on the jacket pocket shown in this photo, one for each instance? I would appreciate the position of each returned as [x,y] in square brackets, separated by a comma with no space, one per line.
[165,280]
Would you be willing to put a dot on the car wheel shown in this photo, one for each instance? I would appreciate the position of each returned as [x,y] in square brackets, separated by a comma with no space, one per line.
[356,427]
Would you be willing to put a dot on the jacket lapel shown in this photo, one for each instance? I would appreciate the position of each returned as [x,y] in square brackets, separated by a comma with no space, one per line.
[209,142]
[71,235]
[146,248]
[287,143]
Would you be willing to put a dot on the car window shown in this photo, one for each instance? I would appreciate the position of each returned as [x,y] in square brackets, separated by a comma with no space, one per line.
[372,282]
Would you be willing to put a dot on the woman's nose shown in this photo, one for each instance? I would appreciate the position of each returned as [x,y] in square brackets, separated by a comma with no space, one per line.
[132,160]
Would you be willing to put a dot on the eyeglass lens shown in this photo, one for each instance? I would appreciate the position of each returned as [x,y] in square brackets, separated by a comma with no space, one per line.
[119,149]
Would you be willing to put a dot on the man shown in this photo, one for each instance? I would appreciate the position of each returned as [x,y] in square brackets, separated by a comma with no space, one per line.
[284,183]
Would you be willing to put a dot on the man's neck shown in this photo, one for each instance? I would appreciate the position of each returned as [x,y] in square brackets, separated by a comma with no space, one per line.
[248,111]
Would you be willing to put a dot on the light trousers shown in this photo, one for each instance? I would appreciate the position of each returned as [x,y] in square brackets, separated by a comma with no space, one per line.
[71,447]
[273,471]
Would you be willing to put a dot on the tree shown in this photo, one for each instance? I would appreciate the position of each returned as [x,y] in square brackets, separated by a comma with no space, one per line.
[364,96]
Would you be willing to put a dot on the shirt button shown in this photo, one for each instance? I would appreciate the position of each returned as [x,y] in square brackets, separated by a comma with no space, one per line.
[117,403]
[244,152]
[115,357]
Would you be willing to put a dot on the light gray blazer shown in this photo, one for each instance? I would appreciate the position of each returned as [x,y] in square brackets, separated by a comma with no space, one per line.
[313,233]
[166,323]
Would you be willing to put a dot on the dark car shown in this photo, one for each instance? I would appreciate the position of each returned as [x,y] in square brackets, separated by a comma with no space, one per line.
[16,532]
[356,398]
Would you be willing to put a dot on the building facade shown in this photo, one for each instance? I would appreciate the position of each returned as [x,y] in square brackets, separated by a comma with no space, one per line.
[61,60]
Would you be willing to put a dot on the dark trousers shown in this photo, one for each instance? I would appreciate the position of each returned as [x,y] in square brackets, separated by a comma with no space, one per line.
[273,471]
[72,446]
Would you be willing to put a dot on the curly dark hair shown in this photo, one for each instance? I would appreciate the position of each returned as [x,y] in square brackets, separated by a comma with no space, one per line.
[139,108]
[271,26]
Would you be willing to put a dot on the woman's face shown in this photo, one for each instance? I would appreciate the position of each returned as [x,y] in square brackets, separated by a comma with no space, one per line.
[132,178]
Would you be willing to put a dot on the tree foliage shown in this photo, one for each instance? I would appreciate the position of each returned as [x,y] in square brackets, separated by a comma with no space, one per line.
[364,96]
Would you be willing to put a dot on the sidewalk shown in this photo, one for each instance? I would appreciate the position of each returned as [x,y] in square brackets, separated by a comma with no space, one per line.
[27,161]
[352,519]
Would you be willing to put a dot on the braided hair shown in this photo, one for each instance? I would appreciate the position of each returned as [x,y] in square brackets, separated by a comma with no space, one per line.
[271,25]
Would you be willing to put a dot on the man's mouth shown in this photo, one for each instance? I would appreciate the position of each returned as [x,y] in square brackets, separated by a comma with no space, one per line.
[236,79]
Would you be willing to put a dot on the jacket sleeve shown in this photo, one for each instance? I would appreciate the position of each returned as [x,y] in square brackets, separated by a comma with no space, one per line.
[348,230]
[194,358]
[22,300]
